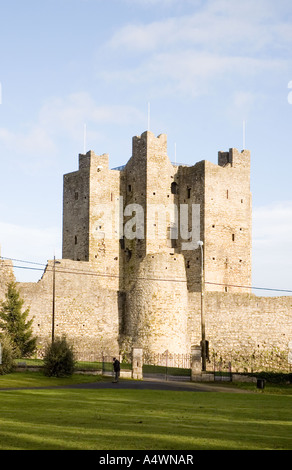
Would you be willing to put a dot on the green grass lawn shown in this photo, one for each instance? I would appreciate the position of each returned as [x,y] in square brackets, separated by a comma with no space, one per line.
[38,379]
[139,420]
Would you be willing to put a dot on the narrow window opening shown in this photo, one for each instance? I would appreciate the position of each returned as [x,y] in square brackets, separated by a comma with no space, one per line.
[226,289]
[227,194]
[76,195]
[128,254]
[173,243]
[129,188]
[174,188]
[188,193]
[76,240]
[233,237]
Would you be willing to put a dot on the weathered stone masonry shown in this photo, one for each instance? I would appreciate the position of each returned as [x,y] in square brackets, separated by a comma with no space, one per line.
[112,292]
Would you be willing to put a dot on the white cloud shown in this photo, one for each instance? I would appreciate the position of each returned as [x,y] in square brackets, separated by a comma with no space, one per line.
[272,246]
[34,139]
[194,73]
[69,113]
[29,244]
[220,25]
[190,53]
[61,119]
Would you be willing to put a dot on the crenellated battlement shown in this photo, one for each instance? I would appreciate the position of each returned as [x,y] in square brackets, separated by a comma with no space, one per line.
[147,143]
[90,159]
[234,158]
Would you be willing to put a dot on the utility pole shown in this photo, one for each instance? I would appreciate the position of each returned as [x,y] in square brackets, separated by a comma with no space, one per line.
[203,342]
[54,298]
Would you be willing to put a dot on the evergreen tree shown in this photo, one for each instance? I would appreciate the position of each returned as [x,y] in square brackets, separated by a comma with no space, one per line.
[8,355]
[14,322]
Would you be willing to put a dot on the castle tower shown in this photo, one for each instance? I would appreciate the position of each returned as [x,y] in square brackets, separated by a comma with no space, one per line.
[138,227]
[147,178]
[223,195]
[228,222]
[91,197]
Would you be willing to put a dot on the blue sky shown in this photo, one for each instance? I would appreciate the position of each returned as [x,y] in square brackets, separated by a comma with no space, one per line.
[204,67]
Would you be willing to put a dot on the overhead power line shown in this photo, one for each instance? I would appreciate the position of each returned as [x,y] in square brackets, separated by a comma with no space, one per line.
[249,287]
[64,270]
[22,261]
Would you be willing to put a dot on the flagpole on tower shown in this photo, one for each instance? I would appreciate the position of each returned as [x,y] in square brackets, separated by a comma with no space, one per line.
[148,128]
[84,138]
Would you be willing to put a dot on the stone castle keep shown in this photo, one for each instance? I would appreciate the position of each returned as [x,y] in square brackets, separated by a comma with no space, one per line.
[130,271]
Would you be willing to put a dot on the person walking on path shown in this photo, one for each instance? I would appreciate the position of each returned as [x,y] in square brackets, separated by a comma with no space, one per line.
[117,368]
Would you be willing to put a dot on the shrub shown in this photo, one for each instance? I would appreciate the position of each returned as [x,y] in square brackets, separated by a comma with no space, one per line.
[275,377]
[8,356]
[59,359]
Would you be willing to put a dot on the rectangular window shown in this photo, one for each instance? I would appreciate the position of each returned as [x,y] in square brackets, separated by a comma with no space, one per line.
[173,243]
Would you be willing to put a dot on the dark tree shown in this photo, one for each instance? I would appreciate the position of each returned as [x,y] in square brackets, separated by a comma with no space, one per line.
[13,321]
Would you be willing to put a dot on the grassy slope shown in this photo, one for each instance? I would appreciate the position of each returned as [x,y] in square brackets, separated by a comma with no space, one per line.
[142,420]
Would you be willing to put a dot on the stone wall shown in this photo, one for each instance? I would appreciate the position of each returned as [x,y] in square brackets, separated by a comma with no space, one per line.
[242,323]
[85,311]
[158,313]
[6,276]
